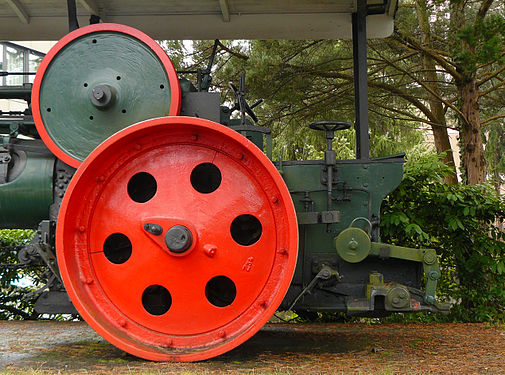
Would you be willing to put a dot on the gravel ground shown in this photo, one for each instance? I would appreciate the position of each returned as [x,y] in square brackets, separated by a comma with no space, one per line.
[383,349]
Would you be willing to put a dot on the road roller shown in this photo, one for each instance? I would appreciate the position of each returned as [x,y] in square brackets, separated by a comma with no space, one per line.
[161,218]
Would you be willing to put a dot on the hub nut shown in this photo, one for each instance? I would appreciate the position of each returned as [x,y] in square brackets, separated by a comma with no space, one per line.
[178,239]
[101,96]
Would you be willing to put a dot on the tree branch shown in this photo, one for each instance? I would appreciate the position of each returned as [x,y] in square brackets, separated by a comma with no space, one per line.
[491,76]
[494,88]
[412,117]
[491,119]
[411,43]
[231,52]
[426,87]
[483,9]
[381,85]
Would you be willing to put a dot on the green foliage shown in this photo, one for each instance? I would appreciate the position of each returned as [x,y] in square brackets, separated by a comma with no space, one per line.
[12,305]
[485,39]
[9,238]
[303,81]
[495,153]
[460,223]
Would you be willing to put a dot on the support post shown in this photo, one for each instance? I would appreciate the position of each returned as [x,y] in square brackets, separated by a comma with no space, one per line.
[73,24]
[359,51]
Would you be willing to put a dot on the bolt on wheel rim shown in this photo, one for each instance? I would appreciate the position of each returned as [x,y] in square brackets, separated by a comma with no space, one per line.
[177,239]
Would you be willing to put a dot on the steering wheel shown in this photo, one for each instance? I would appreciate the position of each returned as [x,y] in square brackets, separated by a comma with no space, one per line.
[329,125]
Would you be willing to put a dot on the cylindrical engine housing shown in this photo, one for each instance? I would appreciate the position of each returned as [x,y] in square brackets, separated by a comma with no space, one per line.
[28,192]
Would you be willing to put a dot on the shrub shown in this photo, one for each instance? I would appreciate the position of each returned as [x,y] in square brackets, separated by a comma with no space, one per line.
[460,223]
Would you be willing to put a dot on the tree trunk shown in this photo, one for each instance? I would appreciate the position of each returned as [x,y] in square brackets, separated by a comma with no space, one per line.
[497,180]
[473,150]
[473,160]
[440,134]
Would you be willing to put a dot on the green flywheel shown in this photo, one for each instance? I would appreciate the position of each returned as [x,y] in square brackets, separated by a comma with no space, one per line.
[96,81]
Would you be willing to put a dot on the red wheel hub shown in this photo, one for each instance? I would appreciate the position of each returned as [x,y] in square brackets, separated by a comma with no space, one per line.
[177,239]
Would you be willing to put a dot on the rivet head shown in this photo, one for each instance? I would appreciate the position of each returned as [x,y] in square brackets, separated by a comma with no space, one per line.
[100,179]
[82,229]
[262,304]
[137,147]
[282,251]
[122,322]
[194,137]
[240,156]
[89,281]
[222,334]
[210,250]
[275,199]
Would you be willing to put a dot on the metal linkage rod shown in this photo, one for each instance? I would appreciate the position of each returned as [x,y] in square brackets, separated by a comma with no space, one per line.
[360,80]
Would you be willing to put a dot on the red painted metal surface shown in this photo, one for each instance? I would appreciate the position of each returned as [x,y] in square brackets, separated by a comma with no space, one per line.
[165,60]
[98,203]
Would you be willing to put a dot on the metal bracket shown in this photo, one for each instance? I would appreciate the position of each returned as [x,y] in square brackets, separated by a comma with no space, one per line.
[428,257]
[324,175]
[46,239]
[5,159]
[325,273]
[323,217]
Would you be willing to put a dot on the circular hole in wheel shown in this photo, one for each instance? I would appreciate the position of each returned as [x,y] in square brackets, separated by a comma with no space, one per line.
[117,248]
[156,300]
[206,178]
[220,291]
[246,229]
[142,187]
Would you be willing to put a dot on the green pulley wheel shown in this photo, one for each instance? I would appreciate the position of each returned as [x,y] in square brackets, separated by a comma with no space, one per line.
[353,244]
[96,81]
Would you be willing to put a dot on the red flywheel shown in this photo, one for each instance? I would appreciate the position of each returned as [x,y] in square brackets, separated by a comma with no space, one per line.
[177,239]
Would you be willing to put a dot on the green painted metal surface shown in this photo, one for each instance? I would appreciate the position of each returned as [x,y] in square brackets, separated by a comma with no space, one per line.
[128,66]
[25,201]
[375,179]
[15,92]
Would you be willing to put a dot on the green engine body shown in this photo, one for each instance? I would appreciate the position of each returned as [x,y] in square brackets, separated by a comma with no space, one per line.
[27,193]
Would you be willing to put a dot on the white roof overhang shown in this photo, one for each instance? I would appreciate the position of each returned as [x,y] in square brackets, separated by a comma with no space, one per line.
[199,19]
